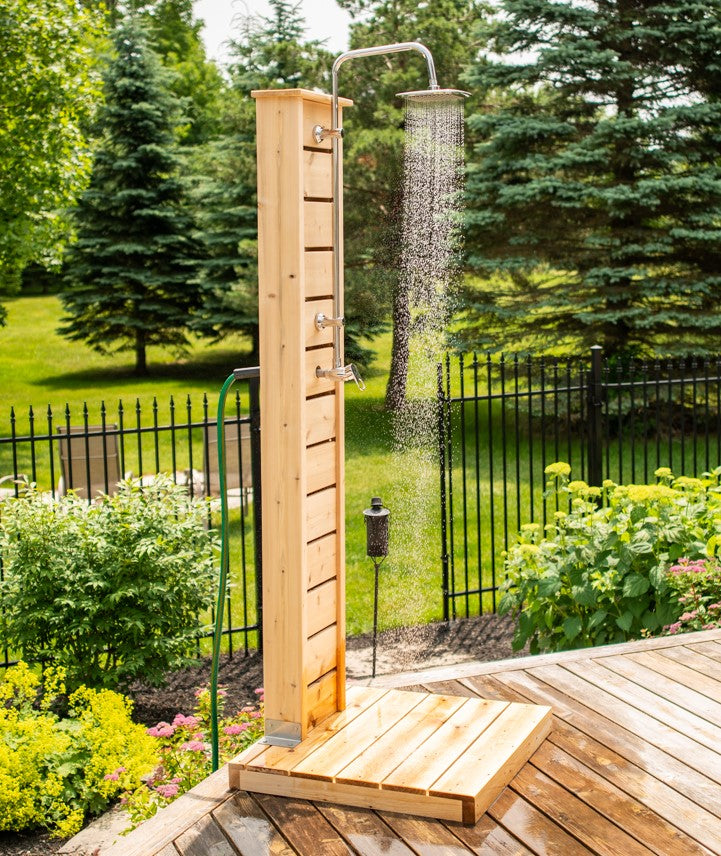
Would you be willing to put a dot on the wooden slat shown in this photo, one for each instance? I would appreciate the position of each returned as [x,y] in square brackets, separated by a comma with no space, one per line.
[318,225]
[487,837]
[322,357]
[169,850]
[293,787]
[435,756]
[317,175]
[364,831]
[710,648]
[694,658]
[318,274]
[320,513]
[641,822]
[203,838]
[581,821]
[316,114]
[671,680]
[321,654]
[613,735]
[379,760]
[323,696]
[489,762]
[249,828]
[321,466]
[360,733]
[665,711]
[304,826]
[534,828]
[427,836]
[321,561]
[313,336]
[320,422]
[646,728]
[321,607]
[282,760]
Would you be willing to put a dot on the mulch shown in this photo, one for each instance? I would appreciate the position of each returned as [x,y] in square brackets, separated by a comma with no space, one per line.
[484,638]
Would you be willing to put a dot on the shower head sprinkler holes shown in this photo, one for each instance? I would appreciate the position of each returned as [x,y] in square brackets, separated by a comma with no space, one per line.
[434,96]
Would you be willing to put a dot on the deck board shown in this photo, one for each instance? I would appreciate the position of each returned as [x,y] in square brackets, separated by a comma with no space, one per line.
[632,766]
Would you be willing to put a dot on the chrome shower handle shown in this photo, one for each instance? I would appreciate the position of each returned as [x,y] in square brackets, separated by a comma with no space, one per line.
[342,374]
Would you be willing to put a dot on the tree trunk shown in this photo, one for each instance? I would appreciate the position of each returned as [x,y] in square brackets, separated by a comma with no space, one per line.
[141,362]
[398,378]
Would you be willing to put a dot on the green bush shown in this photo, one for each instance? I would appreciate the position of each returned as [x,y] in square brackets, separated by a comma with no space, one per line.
[599,572]
[53,771]
[113,590]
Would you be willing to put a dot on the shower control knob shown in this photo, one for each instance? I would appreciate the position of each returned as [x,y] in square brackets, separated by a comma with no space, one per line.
[320,133]
[322,321]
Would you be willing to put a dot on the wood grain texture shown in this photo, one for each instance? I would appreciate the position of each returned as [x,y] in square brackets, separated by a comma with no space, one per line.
[313,336]
[364,830]
[317,175]
[321,607]
[317,224]
[203,838]
[249,829]
[304,827]
[321,466]
[320,422]
[320,358]
[321,561]
[318,275]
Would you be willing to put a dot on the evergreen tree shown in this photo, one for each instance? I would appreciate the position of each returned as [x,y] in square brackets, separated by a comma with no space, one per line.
[269,53]
[131,273]
[596,191]
[373,159]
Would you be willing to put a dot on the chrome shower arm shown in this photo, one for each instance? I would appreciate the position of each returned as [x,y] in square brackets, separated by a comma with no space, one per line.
[336,133]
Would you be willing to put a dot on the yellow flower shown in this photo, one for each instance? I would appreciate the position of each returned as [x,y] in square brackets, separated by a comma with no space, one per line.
[558,469]
[663,473]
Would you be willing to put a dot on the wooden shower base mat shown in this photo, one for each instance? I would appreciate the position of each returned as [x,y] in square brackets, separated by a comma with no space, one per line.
[430,755]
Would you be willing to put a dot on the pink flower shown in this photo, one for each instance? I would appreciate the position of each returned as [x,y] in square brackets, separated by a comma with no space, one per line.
[235,729]
[111,777]
[198,736]
[674,628]
[168,791]
[162,729]
[260,691]
[246,710]
[189,722]
[256,714]
[193,746]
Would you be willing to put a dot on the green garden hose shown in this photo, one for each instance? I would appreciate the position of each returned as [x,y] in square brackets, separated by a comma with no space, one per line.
[223,578]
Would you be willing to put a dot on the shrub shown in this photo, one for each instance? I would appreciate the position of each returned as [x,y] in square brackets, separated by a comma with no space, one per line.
[185,753]
[599,572]
[112,591]
[54,771]
[697,585]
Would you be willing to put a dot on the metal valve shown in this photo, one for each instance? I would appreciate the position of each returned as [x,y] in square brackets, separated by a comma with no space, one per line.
[342,374]
[322,321]
[320,133]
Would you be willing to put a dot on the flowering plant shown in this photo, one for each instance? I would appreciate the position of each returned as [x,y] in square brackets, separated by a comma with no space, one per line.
[184,749]
[598,574]
[698,586]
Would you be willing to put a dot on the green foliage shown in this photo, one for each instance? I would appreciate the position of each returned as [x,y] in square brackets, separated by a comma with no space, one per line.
[111,591]
[184,749]
[595,189]
[599,574]
[131,273]
[49,89]
[53,771]
[697,585]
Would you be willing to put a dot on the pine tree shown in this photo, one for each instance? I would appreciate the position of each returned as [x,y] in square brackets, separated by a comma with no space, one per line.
[596,191]
[131,274]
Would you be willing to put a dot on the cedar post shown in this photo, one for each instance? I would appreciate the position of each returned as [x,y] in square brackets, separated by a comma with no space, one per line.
[302,438]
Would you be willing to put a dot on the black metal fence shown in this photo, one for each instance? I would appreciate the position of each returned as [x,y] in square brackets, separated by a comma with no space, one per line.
[90,452]
[502,421]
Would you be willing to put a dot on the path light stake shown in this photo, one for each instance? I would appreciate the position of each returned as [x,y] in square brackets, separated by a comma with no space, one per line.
[376,520]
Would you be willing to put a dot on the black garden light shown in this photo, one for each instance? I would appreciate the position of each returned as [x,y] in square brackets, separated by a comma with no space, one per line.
[376,520]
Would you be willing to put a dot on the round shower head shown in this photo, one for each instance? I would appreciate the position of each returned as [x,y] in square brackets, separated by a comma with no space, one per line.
[434,96]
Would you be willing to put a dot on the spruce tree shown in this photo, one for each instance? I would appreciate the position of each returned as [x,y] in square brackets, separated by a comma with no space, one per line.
[131,274]
[595,194]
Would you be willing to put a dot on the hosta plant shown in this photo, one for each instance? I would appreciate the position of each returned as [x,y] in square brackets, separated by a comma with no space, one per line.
[598,573]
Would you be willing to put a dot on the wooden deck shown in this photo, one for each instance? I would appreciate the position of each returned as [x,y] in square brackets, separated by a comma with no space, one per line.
[632,766]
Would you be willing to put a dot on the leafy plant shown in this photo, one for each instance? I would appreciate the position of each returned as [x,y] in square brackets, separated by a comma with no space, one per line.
[599,572]
[54,771]
[111,591]
[698,586]
[184,750]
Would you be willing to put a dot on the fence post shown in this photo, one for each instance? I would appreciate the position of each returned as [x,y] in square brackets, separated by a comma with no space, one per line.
[595,411]
[442,467]
[254,392]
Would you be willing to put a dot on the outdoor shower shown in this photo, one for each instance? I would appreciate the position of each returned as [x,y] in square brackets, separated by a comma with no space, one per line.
[434,756]
[434,94]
